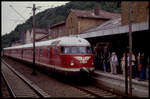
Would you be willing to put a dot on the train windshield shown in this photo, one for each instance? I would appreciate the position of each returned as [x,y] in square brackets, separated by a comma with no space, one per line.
[76,50]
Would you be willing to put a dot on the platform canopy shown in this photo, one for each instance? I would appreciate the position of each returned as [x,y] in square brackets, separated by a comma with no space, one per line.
[115,30]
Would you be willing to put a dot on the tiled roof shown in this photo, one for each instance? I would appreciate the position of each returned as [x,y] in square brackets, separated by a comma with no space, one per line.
[57,24]
[90,14]
[38,30]
[106,25]
[42,37]
[43,31]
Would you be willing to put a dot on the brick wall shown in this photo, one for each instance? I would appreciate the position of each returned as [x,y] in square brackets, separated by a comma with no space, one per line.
[58,31]
[71,24]
[87,23]
[76,25]
[140,11]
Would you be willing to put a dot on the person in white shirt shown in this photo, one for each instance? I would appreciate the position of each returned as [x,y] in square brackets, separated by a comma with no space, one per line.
[132,64]
[123,64]
[113,63]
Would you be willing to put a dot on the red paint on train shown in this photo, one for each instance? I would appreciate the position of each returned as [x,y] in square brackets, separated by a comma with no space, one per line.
[59,54]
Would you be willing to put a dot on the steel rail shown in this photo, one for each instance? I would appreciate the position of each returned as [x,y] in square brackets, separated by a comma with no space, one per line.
[92,92]
[8,86]
[36,89]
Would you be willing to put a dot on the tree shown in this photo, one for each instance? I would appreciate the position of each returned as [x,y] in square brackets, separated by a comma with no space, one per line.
[52,16]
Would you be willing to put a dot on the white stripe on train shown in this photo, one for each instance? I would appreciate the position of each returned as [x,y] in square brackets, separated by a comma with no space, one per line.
[58,67]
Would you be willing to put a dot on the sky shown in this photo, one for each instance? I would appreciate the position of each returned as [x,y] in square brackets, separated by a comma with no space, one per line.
[14,13]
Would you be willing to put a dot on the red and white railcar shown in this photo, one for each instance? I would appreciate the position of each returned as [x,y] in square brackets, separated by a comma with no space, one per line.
[68,55]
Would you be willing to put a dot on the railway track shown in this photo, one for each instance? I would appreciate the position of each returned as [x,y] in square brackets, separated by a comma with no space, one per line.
[18,85]
[96,92]
[8,89]
[91,90]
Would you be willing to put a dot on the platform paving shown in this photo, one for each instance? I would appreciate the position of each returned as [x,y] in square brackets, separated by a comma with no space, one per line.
[116,83]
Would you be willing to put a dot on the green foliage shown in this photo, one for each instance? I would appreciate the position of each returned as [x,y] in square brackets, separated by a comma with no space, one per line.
[111,6]
[7,39]
[54,15]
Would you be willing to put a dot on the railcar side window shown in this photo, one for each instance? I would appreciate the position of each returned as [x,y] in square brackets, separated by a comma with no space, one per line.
[31,52]
[40,52]
[36,51]
[48,50]
[56,50]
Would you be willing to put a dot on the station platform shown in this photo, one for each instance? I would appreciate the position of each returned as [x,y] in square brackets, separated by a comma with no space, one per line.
[116,84]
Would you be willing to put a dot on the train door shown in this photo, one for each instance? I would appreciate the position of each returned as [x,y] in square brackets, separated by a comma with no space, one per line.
[57,56]
[45,55]
[53,53]
[37,54]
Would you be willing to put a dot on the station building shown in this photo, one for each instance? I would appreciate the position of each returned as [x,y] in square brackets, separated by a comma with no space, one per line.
[102,27]
[114,33]
[112,29]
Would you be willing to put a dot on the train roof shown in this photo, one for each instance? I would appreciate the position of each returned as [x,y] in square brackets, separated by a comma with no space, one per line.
[62,41]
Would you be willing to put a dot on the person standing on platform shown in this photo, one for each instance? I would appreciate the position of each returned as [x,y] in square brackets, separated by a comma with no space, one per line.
[147,70]
[123,64]
[138,64]
[113,63]
[101,61]
[104,63]
[132,64]
[108,63]
[95,58]
[143,68]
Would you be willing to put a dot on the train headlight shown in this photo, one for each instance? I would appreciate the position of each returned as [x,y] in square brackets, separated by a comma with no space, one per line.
[72,63]
[92,63]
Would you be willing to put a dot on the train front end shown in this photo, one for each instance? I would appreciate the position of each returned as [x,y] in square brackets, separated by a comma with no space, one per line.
[77,58]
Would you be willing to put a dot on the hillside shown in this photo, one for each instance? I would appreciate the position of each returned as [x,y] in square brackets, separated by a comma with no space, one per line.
[54,15]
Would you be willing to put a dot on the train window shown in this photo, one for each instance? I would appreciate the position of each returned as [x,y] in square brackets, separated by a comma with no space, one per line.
[76,50]
[25,52]
[65,50]
[40,52]
[57,50]
[82,50]
[55,42]
[62,49]
[36,51]
[31,52]
[89,49]
[48,51]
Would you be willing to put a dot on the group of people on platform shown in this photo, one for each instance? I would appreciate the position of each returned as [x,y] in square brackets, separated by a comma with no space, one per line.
[111,63]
